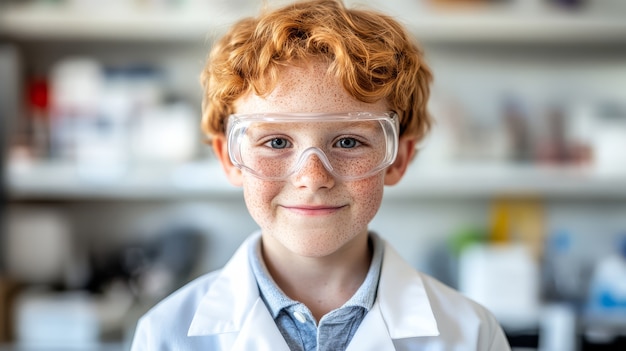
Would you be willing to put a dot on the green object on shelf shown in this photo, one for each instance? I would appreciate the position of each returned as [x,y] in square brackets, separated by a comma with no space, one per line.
[466,237]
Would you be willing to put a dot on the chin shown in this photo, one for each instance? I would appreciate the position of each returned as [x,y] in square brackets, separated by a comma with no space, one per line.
[316,245]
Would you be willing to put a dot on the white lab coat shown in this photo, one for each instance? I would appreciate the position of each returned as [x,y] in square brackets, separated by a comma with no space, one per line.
[223,311]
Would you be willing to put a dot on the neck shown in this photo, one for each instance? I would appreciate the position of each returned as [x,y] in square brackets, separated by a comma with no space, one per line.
[321,283]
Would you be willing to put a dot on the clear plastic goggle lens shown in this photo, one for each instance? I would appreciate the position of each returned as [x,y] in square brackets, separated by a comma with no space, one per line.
[351,146]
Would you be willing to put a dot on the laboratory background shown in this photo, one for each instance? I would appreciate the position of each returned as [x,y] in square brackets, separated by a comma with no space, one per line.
[111,199]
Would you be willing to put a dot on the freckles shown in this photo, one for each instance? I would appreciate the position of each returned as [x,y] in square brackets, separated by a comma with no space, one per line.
[364,166]
[337,99]
[258,196]
[371,192]
[359,166]
[290,89]
[269,168]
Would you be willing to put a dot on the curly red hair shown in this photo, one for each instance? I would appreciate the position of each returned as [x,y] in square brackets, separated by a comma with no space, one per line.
[370,53]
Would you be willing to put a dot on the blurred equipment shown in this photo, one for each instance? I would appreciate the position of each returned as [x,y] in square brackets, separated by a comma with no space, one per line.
[9,93]
[505,279]
[71,320]
[106,119]
[518,221]
[152,268]
[8,289]
[75,88]
[606,305]
[609,139]
[558,328]
[562,268]
[518,123]
[56,321]
[9,88]
[39,247]
[608,285]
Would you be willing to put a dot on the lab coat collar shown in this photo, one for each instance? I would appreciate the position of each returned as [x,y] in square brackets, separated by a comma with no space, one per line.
[403,299]
[230,298]
[233,305]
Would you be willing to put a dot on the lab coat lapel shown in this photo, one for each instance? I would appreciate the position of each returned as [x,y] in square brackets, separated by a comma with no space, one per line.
[259,332]
[225,305]
[372,333]
[401,311]
[403,299]
[232,309]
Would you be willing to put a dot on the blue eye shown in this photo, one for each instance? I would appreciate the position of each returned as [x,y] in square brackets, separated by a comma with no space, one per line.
[278,143]
[347,143]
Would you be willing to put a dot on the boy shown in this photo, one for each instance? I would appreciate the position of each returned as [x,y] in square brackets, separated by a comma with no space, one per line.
[313,109]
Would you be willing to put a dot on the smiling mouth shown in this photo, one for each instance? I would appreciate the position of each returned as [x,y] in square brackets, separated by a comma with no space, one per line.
[313,210]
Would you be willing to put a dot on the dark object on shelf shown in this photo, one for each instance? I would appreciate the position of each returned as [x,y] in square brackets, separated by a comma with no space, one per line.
[569,4]
[152,268]
[8,113]
[618,344]
[530,339]
[517,123]
[8,292]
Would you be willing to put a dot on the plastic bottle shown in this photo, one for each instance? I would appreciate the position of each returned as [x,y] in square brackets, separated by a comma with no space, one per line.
[608,284]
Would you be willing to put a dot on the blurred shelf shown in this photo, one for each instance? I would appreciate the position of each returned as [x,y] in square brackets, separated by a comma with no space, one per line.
[65,181]
[476,25]
[541,27]
[58,23]
[53,181]
[489,180]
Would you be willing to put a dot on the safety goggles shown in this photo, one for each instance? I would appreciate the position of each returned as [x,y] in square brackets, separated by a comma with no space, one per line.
[351,146]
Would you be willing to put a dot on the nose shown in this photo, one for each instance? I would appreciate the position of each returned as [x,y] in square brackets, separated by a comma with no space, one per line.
[313,171]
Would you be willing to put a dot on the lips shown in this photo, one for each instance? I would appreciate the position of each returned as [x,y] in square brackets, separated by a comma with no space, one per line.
[309,210]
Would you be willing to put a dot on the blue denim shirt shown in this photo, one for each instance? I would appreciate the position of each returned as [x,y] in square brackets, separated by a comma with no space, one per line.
[295,321]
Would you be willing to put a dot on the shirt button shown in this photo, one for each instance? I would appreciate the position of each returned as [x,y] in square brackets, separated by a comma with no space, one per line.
[300,317]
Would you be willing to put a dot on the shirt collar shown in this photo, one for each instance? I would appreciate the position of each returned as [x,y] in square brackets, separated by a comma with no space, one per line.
[276,300]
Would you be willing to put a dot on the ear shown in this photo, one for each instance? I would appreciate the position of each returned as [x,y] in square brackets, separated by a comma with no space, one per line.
[220,147]
[406,152]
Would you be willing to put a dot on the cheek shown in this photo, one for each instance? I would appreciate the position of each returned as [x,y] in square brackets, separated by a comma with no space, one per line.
[269,167]
[368,193]
[258,196]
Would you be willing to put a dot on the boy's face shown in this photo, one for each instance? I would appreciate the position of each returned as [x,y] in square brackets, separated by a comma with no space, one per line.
[310,213]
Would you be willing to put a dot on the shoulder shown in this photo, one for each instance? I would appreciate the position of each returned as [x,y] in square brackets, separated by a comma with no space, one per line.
[452,319]
[184,300]
[169,320]
[461,317]
[446,301]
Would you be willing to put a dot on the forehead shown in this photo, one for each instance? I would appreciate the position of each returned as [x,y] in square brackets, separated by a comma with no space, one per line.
[325,124]
[306,88]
